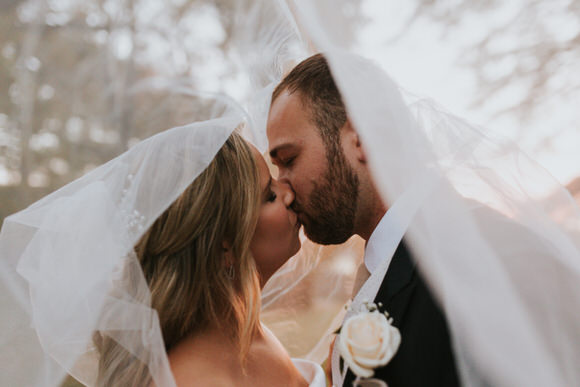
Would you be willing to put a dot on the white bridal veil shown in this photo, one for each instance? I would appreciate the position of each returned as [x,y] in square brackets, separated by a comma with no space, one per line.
[68,276]
[501,255]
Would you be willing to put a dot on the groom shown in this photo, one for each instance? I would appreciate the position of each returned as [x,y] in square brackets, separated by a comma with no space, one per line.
[319,154]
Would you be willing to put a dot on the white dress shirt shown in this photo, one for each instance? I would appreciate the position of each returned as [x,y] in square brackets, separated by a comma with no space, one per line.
[377,248]
[376,251]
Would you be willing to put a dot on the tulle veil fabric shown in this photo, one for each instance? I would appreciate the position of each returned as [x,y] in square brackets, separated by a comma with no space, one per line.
[74,276]
[501,255]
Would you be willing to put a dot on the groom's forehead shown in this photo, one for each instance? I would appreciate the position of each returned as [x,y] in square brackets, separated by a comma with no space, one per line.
[290,124]
[287,111]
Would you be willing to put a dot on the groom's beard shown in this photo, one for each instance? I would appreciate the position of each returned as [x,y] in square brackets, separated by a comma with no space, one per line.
[329,215]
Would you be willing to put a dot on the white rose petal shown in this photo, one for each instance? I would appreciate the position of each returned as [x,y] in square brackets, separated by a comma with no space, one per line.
[368,341]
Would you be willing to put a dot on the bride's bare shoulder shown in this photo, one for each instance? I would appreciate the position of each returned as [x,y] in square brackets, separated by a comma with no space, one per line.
[200,363]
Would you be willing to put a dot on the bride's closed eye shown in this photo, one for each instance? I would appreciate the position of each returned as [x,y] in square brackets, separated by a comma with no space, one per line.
[272,196]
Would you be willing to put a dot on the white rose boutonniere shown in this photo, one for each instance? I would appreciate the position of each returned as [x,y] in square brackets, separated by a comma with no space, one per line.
[368,340]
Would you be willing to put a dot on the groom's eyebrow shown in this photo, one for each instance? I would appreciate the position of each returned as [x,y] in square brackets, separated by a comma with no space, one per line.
[274,152]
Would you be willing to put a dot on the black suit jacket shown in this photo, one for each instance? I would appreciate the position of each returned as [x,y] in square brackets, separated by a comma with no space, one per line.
[424,357]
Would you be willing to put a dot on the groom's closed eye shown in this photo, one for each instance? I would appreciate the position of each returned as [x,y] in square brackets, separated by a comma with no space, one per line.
[284,159]
[287,161]
[283,155]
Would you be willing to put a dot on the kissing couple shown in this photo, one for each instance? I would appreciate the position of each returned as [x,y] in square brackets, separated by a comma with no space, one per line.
[149,270]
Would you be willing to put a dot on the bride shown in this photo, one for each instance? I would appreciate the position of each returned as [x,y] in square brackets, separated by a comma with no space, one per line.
[205,259]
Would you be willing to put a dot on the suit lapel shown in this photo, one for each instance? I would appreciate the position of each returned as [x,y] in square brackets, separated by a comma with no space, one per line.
[398,278]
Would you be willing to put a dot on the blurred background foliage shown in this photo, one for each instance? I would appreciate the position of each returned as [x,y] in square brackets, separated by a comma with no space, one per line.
[68,76]
[531,45]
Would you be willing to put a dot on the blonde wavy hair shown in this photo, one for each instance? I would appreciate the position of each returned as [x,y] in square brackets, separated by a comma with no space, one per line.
[189,276]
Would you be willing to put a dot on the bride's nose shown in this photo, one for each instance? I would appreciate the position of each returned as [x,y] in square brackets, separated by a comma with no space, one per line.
[287,194]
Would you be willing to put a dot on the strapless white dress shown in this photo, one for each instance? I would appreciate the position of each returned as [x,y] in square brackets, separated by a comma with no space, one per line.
[311,371]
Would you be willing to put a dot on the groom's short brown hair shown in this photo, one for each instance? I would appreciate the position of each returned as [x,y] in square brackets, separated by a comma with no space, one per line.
[312,79]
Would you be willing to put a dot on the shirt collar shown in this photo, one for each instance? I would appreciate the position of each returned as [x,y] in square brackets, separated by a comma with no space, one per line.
[379,242]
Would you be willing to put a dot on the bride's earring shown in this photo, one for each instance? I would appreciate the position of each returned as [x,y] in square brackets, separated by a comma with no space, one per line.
[230,272]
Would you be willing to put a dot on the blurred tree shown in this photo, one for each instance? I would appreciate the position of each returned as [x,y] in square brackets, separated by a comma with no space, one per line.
[525,55]
[68,73]
[534,44]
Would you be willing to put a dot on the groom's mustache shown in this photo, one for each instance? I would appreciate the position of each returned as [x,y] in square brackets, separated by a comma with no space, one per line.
[297,208]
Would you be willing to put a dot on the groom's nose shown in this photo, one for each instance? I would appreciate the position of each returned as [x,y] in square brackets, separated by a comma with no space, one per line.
[287,194]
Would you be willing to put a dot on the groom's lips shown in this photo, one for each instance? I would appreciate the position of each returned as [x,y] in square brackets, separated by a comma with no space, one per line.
[300,219]
[300,215]
[297,223]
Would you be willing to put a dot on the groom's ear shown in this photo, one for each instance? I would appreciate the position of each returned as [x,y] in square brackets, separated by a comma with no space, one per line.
[352,138]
